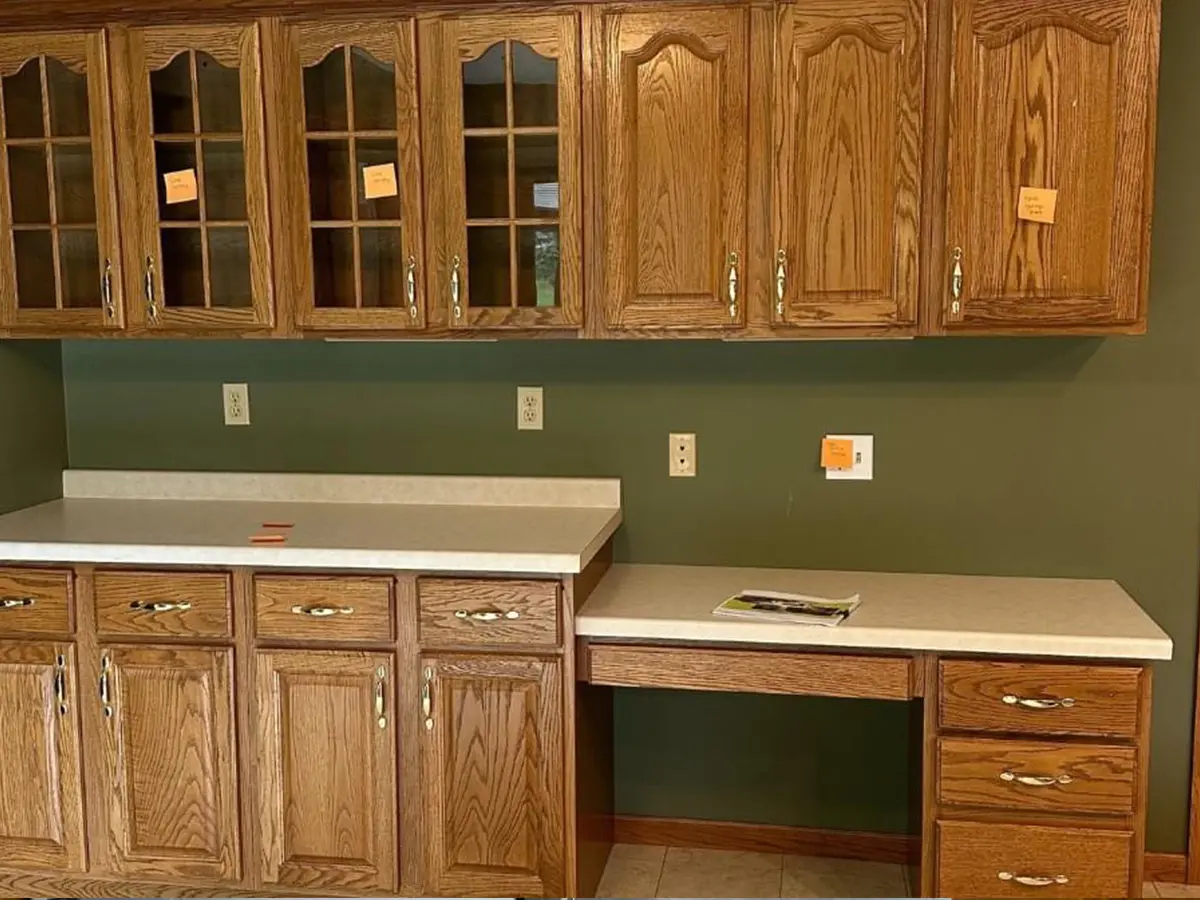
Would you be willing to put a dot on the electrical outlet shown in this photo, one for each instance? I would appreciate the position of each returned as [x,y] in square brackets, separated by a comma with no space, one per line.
[682,462]
[529,409]
[237,403]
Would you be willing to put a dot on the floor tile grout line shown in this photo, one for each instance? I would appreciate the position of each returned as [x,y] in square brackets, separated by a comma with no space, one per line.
[662,866]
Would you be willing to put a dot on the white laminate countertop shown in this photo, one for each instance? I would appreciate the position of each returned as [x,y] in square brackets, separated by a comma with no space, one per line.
[936,613]
[426,523]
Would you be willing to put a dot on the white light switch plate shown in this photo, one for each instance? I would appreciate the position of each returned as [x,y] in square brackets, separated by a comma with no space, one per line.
[864,459]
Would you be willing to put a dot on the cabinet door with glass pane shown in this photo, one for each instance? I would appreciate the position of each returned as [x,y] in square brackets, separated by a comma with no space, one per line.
[189,110]
[505,175]
[350,237]
[60,267]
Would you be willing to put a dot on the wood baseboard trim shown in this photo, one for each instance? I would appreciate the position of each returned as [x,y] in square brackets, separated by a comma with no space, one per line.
[1166,867]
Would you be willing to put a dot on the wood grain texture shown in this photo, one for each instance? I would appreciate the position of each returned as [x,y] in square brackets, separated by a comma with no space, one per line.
[1052,98]
[52,596]
[971,855]
[750,671]
[94,727]
[1169,867]
[848,152]
[675,87]
[171,764]
[369,599]
[494,776]
[440,600]
[246,712]
[1106,698]
[929,779]
[1102,777]
[1141,800]
[124,604]
[41,787]
[327,771]
[409,727]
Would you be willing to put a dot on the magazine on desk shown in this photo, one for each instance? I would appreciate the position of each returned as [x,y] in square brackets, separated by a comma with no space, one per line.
[777,606]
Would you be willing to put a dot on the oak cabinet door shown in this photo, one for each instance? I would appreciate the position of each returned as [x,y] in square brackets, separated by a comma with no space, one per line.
[327,769]
[60,265]
[345,113]
[171,765]
[493,762]
[41,789]
[676,121]
[504,99]
[190,143]
[1057,96]
[848,132]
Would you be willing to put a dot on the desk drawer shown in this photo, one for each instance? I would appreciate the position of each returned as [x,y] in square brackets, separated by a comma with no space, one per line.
[1039,698]
[1036,776]
[35,601]
[323,607]
[456,611]
[179,604]
[984,860]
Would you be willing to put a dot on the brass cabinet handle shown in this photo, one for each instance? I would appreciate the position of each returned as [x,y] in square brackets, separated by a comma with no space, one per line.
[105,664]
[106,293]
[456,287]
[157,606]
[320,612]
[380,682]
[151,299]
[732,262]
[1033,880]
[427,698]
[60,684]
[1037,702]
[780,281]
[410,286]
[1035,780]
[486,615]
[956,281]
[16,602]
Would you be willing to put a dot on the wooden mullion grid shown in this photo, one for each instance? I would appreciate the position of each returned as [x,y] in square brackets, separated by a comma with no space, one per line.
[200,195]
[52,186]
[178,224]
[344,135]
[354,175]
[516,129]
[61,226]
[188,138]
[516,220]
[512,174]
[75,141]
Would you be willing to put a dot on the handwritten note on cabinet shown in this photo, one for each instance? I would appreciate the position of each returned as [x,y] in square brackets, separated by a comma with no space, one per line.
[181,186]
[1037,205]
[379,181]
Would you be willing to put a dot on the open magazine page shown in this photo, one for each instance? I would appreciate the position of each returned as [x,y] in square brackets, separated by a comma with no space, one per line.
[776,606]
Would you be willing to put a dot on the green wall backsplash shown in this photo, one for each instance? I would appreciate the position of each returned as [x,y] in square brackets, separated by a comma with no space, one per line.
[1072,457]
[33,440]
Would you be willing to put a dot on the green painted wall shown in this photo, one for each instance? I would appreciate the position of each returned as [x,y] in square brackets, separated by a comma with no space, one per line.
[33,441]
[1003,456]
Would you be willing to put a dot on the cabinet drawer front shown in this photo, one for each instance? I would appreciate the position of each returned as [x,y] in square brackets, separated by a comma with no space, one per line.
[34,601]
[180,604]
[323,608]
[456,611]
[1039,698]
[1030,775]
[983,860]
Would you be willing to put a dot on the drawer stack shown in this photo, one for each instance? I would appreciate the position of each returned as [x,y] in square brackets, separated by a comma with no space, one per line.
[1038,780]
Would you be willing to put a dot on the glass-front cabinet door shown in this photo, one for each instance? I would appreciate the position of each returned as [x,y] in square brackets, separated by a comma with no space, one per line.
[60,267]
[190,141]
[505,174]
[345,115]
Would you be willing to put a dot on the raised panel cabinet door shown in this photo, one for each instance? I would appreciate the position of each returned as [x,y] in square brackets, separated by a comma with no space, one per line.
[1057,98]
[60,264]
[348,172]
[676,118]
[493,761]
[327,769]
[192,160]
[504,98]
[41,787]
[170,761]
[848,147]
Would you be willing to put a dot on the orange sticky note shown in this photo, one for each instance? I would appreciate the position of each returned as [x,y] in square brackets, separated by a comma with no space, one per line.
[1037,205]
[837,453]
[181,186]
[379,181]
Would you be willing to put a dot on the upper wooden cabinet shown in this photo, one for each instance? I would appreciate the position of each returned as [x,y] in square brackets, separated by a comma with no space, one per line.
[1057,96]
[191,144]
[348,173]
[674,87]
[848,152]
[60,265]
[501,94]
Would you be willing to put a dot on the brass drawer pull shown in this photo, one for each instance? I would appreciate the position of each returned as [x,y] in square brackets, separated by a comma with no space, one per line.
[780,281]
[320,612]
[380,681]
[427,699]
[106,292]
[16,602]
[1035,780]
[105,663]
[1033,880]
[732,263]
[486,615]
[157,606]
[151,299]
[60,684]
[456,288]
[1037,703]
[410,286]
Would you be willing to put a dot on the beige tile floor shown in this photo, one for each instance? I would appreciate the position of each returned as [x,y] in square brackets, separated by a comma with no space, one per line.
[1163,889]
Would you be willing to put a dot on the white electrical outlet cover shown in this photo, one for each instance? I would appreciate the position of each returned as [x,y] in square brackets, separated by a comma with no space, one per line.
[236,402]
[682,461]
[530,409]
[864,459]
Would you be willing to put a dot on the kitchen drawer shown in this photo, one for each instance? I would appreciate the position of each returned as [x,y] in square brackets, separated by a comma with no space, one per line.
[1036,776]
[985,860]
[35,601]
[1039,698]
[323,607]
[456,611]
[179,604]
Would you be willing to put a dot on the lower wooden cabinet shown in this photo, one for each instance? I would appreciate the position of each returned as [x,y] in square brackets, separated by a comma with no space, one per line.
[169,762]
[327,769]
[493,762]
[41,805]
